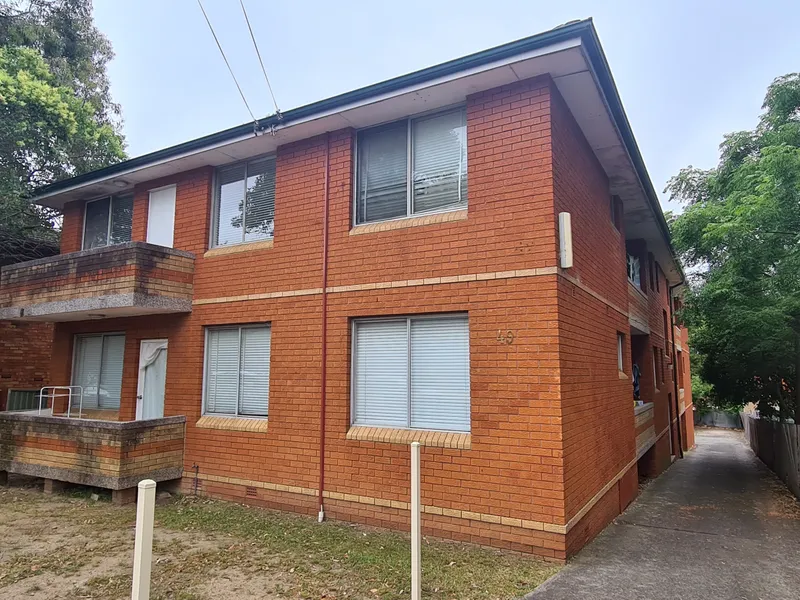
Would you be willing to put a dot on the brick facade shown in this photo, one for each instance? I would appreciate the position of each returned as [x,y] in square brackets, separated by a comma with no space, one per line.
[551,454]
[25,351]
[127,276]
[99,453]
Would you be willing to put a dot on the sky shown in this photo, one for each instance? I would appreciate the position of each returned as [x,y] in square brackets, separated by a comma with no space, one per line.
[687,71]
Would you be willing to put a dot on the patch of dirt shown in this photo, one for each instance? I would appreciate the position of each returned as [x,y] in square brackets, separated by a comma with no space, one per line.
[69,546]
[59,547]
[268,586]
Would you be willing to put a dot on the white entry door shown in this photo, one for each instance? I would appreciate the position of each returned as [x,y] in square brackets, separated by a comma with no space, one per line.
[161,217]
[152,379]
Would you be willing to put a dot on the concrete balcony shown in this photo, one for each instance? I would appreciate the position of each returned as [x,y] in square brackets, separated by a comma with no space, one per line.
[124,280]
[638,310]
[107,454]
[645,427]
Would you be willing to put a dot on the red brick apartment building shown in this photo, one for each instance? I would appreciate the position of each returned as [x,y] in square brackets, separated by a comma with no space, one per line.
[273,312]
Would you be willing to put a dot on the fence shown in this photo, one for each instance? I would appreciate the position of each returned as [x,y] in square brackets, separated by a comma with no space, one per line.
[778,446]
[22,400]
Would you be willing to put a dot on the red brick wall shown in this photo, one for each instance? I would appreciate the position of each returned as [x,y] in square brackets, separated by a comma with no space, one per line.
[24,356]
[547,431]
[596,403]
[72,227]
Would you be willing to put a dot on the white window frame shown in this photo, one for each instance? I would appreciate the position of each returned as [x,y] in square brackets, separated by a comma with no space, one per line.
[409,166]
[638,263]
[104,335]
[215,199]
[354,373]
[238,328]
[110,212]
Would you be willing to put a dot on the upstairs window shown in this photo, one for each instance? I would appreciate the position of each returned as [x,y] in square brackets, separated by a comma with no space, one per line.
[244,203]
[634,269]
[616,212]
[108,221]
[658,277]
[412,167]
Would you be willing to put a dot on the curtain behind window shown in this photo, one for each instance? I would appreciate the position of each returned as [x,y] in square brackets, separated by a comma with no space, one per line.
[382,173]
[440,161]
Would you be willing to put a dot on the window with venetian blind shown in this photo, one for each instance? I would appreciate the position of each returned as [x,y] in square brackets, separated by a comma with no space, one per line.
[411,167]
[244,202]
[412,373]
[107,221]
[97,368]
[237,371]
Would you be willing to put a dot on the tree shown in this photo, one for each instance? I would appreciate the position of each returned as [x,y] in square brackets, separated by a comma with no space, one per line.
[57,118]
[740,237]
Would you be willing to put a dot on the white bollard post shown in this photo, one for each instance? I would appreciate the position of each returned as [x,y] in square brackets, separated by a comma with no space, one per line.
[143,548]
[416,528]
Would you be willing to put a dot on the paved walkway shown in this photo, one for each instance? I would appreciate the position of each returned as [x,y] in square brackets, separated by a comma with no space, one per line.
[716,525]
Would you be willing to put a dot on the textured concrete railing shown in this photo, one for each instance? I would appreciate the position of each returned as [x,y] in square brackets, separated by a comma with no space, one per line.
[645,427]
[131,278]
[778,447]
[638,309]
[107,454]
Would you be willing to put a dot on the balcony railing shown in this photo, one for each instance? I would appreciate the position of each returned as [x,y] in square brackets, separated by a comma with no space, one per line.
[644,425]
[107,454]
[128,279]
[638,310]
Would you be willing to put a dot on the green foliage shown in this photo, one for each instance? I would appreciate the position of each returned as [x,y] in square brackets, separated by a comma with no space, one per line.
[56,115]
[740,237]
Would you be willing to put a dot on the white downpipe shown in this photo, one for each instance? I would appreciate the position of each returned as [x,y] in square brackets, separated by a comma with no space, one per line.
[143,547]
[416,529]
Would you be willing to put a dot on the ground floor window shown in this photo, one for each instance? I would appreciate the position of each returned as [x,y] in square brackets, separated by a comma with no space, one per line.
[97,368]
[237,371]
[412,372]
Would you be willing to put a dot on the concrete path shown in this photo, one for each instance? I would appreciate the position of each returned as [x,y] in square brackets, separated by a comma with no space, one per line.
[717,525]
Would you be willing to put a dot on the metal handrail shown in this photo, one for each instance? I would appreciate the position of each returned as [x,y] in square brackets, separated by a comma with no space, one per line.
[72,390]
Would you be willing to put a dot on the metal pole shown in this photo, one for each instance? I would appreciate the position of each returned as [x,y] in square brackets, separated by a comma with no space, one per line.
[416,529]
[143,547]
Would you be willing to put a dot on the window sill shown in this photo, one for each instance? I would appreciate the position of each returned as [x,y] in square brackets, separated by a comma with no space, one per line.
[232,423]
[442,217]
[622,374]
[246,247]
[388,435]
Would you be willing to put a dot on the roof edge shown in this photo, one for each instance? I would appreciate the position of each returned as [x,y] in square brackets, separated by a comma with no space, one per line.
[569,30]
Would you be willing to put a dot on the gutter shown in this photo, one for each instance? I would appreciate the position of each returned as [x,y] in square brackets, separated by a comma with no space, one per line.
[583,29]
[602,72]
[316,109]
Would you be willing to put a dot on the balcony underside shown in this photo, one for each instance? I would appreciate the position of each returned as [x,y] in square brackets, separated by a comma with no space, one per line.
[125,280]
[97,307]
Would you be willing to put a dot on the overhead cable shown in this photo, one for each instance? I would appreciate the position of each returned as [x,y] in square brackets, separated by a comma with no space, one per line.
[222,52]
[261,62]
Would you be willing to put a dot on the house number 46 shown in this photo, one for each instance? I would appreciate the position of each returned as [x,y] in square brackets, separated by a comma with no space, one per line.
[505,337]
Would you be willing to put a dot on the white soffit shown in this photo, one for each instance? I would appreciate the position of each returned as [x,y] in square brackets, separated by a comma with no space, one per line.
[558,60]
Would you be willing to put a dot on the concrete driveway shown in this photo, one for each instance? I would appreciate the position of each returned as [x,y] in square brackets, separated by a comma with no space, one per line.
[716,525]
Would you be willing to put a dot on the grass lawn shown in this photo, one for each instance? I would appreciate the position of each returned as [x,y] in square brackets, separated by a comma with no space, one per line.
[69,546]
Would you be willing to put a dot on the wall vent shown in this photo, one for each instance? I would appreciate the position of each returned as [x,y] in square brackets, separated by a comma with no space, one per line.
[250,492]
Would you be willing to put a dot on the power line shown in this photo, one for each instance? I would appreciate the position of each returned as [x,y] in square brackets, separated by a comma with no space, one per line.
[238,87]
[261,62]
